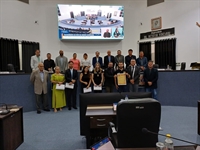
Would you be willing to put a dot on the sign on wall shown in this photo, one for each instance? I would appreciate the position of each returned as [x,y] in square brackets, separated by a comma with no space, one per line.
[158,33]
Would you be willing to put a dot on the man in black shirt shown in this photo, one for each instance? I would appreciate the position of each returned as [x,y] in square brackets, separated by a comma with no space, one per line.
[121,88]
[150,79]
[129,57]
[109,78]
[49,64]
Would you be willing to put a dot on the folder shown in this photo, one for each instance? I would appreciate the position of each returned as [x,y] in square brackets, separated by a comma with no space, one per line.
[60,87]
[85,90]
[69,86]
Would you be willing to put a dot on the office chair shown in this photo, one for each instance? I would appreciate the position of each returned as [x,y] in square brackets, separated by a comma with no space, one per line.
[11,68]
[183,65]
[156,66]
[132,116]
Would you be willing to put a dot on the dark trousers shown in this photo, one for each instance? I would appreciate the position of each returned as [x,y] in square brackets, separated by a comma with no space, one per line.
[71,97]
[41,99]
[122,88]
[109,88]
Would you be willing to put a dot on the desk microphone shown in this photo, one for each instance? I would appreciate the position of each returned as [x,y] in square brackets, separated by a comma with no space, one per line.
[145,130]
[4,112]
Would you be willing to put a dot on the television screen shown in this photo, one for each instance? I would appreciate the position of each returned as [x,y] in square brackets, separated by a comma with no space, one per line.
[90,22]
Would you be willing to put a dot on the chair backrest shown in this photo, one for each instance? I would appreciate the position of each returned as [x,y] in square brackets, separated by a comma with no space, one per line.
[132,117]
[11,68]
[183,65]
[156,66]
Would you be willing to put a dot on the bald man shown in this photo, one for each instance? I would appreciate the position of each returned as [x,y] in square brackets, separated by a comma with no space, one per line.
[39,78]
[62,62]
[108,58]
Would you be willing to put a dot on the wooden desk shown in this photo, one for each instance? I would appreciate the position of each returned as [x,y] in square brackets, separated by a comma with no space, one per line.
[11,130]
[98,118]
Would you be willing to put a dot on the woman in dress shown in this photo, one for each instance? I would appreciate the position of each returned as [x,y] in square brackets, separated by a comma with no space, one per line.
[97,77]
[58,96]
[85,78]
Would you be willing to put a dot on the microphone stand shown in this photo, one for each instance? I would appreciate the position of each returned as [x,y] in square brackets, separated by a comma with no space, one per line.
[147,131]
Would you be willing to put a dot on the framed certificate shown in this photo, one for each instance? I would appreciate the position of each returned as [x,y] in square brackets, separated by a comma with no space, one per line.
[69,86]
[121,79]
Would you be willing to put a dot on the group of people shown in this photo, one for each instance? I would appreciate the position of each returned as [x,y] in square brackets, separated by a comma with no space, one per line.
[105,74]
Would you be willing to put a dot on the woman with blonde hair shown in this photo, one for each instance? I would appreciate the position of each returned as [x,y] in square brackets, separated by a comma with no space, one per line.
[58,96]
[97,77]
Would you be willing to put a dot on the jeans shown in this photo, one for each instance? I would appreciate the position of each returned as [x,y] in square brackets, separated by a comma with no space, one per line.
[133,87]
[153,92]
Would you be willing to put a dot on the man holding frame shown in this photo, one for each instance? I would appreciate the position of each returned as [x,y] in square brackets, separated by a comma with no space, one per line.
[120,78]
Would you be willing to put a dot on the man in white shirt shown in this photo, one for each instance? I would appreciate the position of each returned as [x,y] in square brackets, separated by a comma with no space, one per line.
[85,61]
[35,60]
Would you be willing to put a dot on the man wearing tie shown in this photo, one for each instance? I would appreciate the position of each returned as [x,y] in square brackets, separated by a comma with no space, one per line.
[109,58]
[39,78]
[134,74]
[62,62]
[35,60]
[71,77]
[97,59]
[150,79]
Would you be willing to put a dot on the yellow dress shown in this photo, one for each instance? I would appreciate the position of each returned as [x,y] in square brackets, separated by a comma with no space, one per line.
[58,96]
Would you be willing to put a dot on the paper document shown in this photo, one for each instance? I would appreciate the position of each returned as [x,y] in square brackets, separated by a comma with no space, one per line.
[97,88]
[121,79]
[60,87]
[69,86]
[85,90]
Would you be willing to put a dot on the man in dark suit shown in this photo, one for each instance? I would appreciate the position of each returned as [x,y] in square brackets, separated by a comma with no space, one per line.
[97,59]
[71,77]
[109,78]
[129,57]
[109,58]
[49,63]
[150,79]
[106,34]
[134,73]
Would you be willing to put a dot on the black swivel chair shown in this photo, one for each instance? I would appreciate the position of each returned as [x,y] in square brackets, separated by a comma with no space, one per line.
[183,65]
[156,66]
[132,117]
[11,68]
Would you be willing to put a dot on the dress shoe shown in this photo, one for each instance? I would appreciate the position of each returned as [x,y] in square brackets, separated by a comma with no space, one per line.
[46,109]
[74,107]
[38,112]
[69,108]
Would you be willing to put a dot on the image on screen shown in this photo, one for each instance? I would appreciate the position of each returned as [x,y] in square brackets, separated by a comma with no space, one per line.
[90,22]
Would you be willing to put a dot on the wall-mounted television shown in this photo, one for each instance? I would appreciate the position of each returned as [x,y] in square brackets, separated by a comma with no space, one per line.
[90,22]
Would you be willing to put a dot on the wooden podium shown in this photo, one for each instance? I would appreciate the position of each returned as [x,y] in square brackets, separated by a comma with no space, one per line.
[11,129]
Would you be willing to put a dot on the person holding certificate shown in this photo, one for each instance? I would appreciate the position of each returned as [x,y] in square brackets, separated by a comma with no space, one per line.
[97,78]
[58,95]
[71,77]
[121,78]
[85,78]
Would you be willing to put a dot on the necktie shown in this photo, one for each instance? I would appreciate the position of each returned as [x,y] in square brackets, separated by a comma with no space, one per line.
[133,72]
[71,73]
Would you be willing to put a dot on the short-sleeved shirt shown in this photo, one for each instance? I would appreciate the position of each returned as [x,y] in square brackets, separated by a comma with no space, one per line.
[76,64]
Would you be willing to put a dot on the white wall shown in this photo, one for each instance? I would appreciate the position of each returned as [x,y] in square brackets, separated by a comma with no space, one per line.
[17,20]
